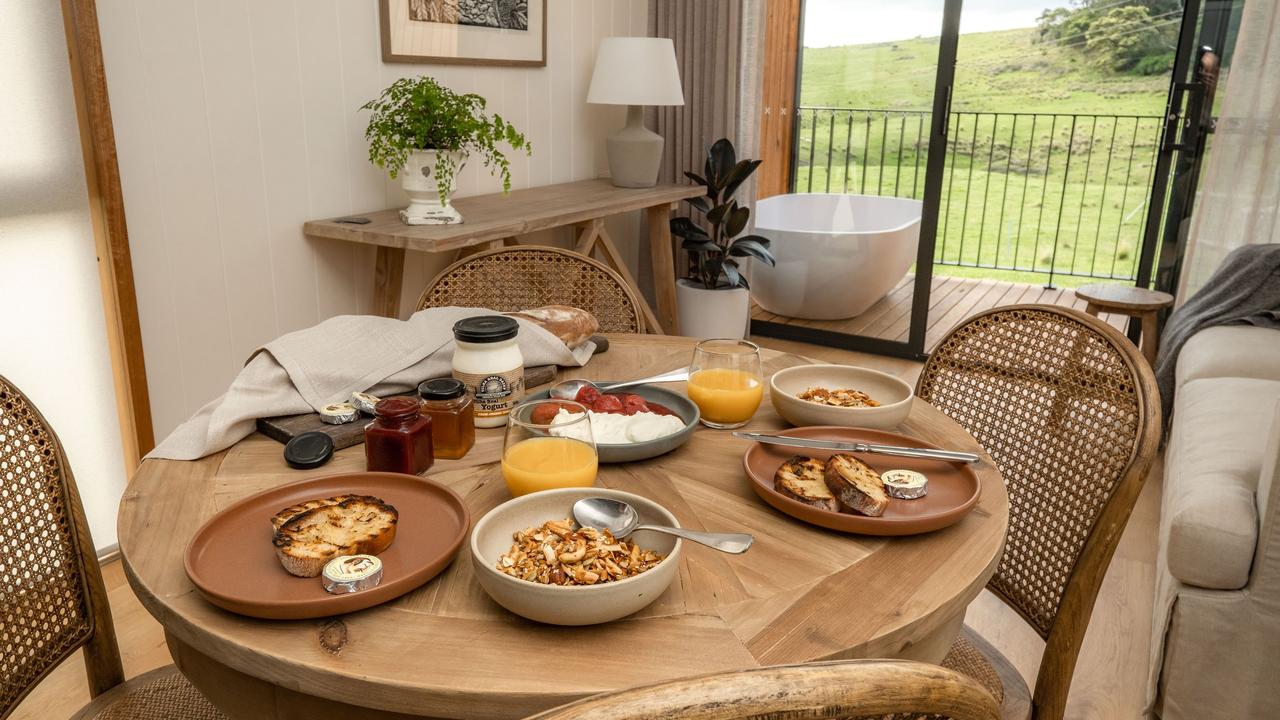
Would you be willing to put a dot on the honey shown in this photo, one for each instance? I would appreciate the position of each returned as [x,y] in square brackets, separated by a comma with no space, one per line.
[452,413]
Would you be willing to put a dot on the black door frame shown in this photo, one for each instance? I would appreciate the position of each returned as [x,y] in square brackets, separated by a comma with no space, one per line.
[944,82]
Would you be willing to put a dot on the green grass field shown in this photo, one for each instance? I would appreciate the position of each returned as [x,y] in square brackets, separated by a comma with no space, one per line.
[1060,188]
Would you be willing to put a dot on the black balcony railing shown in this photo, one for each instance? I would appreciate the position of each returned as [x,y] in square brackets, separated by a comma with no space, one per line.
[1050,193]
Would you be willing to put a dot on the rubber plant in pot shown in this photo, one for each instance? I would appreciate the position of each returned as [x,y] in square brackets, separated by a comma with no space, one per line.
[715,300]
[424,132]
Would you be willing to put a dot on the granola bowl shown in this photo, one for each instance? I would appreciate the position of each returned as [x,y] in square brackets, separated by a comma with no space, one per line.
[604,600]
[893,395]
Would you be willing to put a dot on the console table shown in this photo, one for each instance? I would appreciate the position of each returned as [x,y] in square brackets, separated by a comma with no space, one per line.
[495,220]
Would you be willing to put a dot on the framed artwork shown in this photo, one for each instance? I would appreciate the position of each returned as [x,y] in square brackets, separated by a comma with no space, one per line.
[470,32]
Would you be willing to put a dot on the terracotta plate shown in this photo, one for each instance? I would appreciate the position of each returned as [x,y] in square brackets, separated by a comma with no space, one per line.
[232,563]
[953,487]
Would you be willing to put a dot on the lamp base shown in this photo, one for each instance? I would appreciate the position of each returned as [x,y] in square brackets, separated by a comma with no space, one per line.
[635,152]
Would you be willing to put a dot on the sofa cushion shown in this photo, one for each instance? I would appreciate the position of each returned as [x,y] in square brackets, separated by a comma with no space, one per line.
[1210,517]
[1230,351]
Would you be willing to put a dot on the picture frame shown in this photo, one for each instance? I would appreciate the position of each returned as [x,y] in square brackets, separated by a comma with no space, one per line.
[465,32]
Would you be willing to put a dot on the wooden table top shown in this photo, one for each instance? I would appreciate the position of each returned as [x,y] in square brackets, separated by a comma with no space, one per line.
[497,216]
[801,594]
[1124,297]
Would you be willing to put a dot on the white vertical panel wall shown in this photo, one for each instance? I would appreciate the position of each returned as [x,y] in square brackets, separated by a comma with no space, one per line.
[237,120]
[53,339]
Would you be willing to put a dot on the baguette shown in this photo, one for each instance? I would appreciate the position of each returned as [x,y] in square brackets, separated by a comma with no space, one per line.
[801,478]
[856,485]
[353,525]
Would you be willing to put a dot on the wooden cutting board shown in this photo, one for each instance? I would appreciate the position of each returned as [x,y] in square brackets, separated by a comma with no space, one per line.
[286,427]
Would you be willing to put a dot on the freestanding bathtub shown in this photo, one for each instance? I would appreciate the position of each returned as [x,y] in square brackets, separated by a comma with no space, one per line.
[837,254]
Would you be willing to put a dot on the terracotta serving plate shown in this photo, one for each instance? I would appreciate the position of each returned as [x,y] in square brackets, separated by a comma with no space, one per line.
[953,487]
[233,564]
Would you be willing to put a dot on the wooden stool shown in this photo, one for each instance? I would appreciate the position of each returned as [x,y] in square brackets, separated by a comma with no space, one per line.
[1132,301]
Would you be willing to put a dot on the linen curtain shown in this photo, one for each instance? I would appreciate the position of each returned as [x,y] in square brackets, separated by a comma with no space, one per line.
[719,47]
[1240,195]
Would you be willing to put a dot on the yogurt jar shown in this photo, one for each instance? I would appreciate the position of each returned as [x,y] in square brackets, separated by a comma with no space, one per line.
[487,360]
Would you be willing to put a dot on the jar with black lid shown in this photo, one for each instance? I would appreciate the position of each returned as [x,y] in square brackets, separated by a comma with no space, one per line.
[453,429]
[487,359]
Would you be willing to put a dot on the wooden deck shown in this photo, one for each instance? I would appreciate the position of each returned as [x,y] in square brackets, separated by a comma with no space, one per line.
[952,300]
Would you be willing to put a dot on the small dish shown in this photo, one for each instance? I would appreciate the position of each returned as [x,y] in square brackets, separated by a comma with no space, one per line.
[893,394]
[631,452]
[576,604]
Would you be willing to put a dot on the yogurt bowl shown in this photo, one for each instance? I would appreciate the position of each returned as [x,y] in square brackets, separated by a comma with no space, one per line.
[620,452]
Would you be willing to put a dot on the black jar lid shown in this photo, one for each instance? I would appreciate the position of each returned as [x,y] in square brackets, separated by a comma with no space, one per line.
[485,329]
[308,450]
[445,388]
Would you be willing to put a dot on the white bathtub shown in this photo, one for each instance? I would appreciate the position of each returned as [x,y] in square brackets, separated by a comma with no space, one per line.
[837,254]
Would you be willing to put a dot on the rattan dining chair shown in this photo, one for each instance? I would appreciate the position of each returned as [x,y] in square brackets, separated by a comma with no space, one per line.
[1068,410]
[852,689]
[523,277]
[52,599]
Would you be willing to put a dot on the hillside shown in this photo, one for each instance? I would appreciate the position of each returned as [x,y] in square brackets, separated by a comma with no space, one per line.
[1002,71]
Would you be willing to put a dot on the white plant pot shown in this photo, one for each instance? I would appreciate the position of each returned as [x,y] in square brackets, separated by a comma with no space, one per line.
[419,182]
[720,313]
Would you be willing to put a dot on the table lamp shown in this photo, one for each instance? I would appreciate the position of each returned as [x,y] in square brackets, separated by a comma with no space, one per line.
[635,71]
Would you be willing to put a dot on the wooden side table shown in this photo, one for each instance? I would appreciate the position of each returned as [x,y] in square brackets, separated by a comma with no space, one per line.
[496,219]
[1132,301]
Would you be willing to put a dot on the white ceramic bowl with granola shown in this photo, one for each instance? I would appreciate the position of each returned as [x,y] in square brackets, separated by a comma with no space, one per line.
[574,577]
[843,395]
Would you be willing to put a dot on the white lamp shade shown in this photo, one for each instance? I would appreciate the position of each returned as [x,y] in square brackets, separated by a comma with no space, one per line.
[636,71]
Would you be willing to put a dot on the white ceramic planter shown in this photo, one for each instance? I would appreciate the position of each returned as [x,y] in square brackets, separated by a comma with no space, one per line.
[707,313]
[419,182]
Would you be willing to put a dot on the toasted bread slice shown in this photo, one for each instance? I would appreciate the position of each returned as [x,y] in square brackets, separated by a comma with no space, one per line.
[800,478]
[856,486]
[288,513]
[358,525]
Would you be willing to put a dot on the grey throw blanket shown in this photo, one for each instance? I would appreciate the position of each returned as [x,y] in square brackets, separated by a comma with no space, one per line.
[1244,289]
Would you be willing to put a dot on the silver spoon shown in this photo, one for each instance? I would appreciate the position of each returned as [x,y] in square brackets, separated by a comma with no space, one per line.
[621,519]
[569,389]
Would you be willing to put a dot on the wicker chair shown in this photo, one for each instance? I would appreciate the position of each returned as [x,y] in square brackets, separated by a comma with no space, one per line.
[519,278]
[1068,410]
[52,600]
[855,689]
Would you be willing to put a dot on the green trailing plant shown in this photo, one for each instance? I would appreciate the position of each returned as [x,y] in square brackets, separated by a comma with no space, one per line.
[714,250]
[421,114]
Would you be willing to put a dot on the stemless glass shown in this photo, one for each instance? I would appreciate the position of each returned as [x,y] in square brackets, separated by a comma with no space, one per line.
[542,453]
[725,382]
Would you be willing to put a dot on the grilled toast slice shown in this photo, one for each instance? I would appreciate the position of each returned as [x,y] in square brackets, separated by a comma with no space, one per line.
[856,485]
[800,478]
[356,525]
[288,513]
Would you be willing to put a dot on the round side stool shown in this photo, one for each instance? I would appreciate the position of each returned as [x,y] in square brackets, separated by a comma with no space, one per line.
[1132,301]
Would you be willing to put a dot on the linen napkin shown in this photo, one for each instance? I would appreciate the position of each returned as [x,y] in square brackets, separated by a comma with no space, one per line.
[305,370]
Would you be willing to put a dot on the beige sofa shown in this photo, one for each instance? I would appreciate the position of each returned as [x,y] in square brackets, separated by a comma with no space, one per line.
[1216,635]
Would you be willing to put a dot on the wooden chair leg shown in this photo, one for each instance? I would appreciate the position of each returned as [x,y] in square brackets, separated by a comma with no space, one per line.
[1093,309]
[1150,336]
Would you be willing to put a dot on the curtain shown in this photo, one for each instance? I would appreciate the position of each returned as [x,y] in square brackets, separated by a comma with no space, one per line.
[719,50]
[1240,196]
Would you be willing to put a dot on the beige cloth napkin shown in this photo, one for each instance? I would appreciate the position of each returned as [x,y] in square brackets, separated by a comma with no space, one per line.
[308,369]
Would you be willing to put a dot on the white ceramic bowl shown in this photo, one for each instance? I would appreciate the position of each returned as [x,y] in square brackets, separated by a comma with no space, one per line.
[893,394]
[573,604]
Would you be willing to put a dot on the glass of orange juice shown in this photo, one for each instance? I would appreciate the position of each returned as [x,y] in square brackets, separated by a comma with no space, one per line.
[725,382]
[549,444]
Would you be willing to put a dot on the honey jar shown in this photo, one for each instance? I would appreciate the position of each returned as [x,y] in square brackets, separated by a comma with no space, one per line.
[452,413]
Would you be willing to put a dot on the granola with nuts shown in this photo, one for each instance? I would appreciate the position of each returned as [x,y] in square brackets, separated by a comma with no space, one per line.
[555,553]
[844,397]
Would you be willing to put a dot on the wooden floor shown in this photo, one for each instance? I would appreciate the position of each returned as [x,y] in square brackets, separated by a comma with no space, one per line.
[951,300]
[1109,681]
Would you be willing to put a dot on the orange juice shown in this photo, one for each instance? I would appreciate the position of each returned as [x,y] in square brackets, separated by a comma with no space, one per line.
[725,395]
[545,463]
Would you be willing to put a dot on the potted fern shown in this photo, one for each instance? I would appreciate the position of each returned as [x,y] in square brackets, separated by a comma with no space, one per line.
[424,132]
[714,300]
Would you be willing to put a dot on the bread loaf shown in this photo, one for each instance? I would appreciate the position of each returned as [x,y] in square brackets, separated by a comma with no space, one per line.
[573,326]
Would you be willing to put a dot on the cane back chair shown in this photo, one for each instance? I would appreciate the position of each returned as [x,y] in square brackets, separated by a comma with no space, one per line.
[1068,410]
[523,277]
[852,689]
[52,598]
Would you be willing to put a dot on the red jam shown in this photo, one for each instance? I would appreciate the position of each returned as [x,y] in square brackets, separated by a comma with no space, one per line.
[399,438]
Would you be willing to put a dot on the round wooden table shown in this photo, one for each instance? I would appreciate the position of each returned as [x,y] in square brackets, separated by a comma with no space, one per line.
[445,650]
[1133,301]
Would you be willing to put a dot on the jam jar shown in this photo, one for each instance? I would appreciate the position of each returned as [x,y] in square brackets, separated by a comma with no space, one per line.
[399,438]
[453,428]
